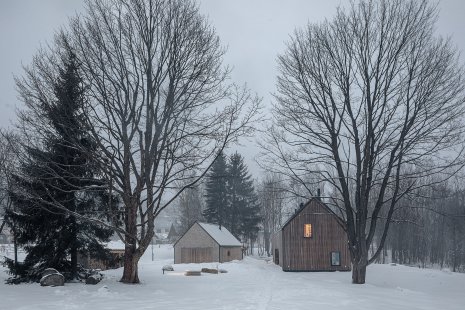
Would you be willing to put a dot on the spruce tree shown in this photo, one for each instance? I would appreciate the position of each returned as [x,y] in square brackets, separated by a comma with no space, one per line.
[56,182]
[216,192]
[242,201]
[231,200]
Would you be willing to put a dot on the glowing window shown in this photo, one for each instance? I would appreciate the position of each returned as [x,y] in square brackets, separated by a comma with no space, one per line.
[308,233]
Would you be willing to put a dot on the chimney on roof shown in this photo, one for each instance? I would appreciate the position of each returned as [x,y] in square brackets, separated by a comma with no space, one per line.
[301,205]
[318,194]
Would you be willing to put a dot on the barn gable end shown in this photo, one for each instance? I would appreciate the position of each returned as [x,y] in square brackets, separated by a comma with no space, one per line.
[206,243]
[312,240]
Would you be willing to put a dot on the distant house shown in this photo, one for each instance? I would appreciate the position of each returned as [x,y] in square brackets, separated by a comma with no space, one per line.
[4,239]
[115,260]
[312,240]
[203,243]
[172,234]
[165,224]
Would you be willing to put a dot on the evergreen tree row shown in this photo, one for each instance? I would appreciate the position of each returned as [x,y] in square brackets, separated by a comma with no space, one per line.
[230,196]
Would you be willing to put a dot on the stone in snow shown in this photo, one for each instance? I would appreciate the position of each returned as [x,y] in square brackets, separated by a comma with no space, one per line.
[93,279]
[48,271]
[54,279]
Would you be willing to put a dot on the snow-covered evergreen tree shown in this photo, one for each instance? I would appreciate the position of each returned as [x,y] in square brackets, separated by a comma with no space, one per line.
[57,183]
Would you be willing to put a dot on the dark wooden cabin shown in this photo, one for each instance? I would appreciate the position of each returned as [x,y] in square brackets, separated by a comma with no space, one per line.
[312,240]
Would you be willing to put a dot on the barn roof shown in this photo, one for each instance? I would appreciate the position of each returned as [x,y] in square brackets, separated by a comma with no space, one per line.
[222,236]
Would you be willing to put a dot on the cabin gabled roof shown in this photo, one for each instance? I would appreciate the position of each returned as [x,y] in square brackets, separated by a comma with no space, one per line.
[221,236]
[305,205]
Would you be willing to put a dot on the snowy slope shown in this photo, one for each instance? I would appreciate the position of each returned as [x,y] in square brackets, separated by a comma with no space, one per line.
[249,284]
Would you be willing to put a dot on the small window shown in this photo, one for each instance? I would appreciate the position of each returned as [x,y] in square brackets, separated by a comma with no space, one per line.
[335,258]
[229,253]
[308,232]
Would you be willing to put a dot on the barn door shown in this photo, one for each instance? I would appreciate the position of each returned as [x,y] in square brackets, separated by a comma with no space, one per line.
[196,255]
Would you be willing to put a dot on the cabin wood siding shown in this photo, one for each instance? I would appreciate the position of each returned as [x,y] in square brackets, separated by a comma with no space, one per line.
[313,254]
[235,253]
[194,246]
[196,255]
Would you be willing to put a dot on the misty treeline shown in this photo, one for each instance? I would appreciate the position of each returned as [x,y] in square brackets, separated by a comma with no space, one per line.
[428,228]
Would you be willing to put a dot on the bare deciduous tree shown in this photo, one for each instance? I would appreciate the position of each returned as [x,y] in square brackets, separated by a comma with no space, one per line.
[361,98]
[271,195]
[161,109]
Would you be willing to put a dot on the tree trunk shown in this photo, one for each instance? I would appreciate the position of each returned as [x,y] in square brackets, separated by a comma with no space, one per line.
[74,269]
[131,261]
[74,250]
[266,237]
[359,271]
[15,244]
[131,257]
[359,264]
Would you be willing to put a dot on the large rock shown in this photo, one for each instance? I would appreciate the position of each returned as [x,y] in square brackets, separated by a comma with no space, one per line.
[93,279]
[48,271]
[54,279]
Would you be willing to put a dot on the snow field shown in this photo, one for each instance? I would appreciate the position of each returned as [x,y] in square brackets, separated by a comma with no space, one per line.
[249,284]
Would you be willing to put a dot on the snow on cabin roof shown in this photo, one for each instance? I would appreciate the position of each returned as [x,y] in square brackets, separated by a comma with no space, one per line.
[115,245]
[222,236]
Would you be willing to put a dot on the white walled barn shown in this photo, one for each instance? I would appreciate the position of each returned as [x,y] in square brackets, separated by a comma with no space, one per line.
[203,243]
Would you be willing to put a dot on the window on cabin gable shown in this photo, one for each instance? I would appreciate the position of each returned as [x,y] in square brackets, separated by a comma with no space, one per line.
[308,231]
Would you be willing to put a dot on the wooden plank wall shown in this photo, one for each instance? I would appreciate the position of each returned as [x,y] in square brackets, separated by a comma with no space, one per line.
[196,255]
[314,254]
[195,237]
[235,253]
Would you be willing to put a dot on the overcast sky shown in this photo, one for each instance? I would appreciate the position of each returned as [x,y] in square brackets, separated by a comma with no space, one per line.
[254,31]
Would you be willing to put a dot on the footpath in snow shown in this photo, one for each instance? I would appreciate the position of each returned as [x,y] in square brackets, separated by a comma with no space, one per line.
[249,284]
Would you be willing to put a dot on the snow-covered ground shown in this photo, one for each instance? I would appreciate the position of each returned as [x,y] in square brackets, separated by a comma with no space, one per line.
[249,284]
